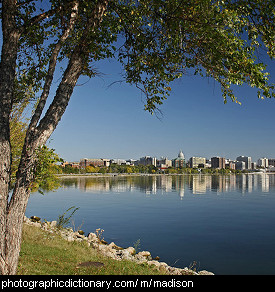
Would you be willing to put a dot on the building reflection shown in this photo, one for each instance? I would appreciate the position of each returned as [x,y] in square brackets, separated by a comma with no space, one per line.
[182,184]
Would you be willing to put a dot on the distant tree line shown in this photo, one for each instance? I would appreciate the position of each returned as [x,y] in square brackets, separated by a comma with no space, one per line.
[150,169]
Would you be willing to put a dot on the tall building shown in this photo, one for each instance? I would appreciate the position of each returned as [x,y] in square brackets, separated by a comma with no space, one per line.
[246,159]
[179,161]
[230,164]
[240,165]
[197,162]
[148,160]
[263,162]
[218,162]
[164,163]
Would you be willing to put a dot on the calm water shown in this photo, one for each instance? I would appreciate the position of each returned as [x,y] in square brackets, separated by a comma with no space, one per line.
[224,223]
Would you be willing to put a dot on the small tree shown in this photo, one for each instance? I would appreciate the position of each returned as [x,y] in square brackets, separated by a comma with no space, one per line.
[156,41]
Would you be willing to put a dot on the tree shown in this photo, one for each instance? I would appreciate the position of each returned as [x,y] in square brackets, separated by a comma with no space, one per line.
[156,41]
[45,178]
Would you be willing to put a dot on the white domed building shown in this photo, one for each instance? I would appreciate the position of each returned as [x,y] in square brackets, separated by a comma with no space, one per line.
[179,161]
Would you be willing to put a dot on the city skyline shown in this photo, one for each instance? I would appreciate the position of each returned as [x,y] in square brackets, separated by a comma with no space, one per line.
[106,118]
[179,162]
[116,159]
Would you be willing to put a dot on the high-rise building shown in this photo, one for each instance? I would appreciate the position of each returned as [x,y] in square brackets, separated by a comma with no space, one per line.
[263,162]
[254,165]
[148,160]
[197,162]
[164,163]
[230,164]
[246,159]
[240,165]
[218,162]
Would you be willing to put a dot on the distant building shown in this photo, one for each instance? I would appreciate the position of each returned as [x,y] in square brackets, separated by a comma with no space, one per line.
[230,164]
[246,159]
[197,162]
[263,162]
[254,165]
[218,162]
[72,164]
[208,163]
[131,162]
[119,161]
[271,162]
[179,161]
[164,163]
[94,162]
[240,165]
[148,160]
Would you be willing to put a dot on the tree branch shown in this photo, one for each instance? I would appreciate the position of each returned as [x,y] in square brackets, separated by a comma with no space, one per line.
[70,77]
[24,2]
[51,69]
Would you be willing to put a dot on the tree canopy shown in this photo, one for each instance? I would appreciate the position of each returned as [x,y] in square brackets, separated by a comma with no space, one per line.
[156,41]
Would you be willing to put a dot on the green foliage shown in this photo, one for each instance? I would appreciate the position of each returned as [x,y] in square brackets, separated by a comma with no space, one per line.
[148,169]
[136,245]
[68,169]
[92,169]
[45,171]
[63,221]
[156,42]
[216,39]
[46,162]
[114,168]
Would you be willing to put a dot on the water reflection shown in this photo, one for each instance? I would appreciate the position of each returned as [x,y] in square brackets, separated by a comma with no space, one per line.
[195,184]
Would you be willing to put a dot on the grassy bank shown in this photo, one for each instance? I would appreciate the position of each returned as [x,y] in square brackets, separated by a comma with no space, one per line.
[44,253]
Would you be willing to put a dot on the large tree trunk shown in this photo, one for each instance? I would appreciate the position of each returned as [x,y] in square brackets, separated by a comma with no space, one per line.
[15,210]
[7,76]
[12,212]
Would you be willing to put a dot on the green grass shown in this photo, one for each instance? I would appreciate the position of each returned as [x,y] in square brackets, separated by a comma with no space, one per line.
[44,253]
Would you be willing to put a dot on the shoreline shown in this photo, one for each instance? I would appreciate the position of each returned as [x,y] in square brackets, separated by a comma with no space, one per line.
[110,249]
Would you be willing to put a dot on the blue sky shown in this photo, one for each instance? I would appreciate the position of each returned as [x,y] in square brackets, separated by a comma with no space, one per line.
[104,121]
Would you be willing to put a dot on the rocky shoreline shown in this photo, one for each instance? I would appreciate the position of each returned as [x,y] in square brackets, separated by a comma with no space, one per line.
[110,250]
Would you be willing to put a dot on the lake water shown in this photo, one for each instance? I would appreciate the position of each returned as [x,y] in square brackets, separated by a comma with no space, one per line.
[223,223]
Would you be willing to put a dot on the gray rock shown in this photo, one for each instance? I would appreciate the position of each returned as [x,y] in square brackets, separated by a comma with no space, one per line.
[93,238]
[112,245]
[131,250]
[53,224]
[204,272]
[145,254]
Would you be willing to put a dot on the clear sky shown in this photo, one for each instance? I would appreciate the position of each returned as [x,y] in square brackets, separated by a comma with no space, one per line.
[104,121]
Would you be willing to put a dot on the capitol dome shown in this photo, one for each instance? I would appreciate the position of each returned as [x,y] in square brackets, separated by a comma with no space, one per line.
[181,155]
[179,161]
